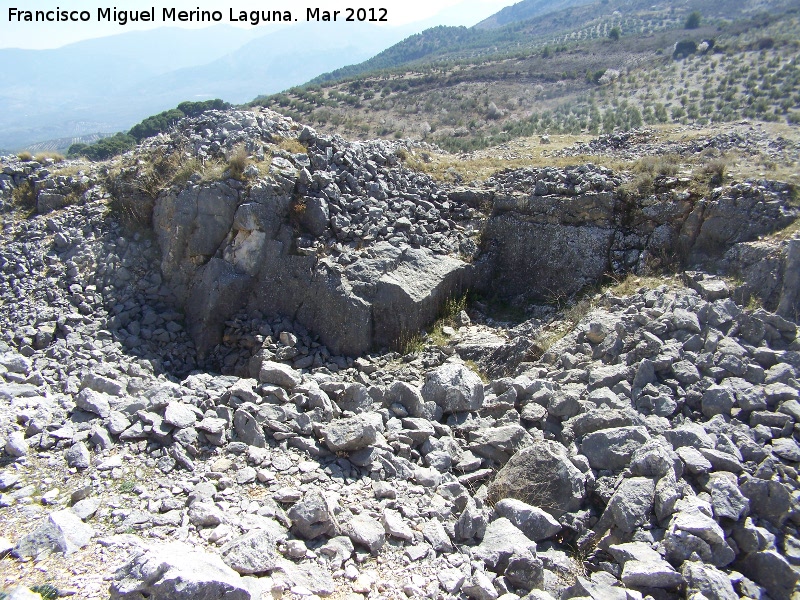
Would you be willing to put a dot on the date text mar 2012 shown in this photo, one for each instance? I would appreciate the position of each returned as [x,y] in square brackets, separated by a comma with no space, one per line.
[375,15]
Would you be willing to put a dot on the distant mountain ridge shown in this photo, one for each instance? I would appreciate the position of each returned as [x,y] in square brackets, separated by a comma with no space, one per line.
[108,84]
[527,9]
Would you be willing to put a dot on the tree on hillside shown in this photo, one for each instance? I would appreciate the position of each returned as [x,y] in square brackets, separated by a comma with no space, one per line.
[615,33]
[693,20]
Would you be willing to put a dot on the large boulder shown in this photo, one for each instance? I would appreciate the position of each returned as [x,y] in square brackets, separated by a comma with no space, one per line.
[313,516]
[253,552]
[543,476]
[176,571]
[62,532]
[348,435]
[534,522]
[612,448]
[454,388]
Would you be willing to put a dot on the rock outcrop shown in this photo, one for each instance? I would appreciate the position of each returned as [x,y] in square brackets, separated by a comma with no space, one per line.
[340,238]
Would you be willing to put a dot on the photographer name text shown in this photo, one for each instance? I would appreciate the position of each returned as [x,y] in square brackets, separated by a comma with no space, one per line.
[172,15]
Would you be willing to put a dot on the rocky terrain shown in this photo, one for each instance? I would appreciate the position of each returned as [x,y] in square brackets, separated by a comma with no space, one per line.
[214,383]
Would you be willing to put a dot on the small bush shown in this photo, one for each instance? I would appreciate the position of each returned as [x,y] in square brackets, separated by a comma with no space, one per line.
[46,591]
[238,159]
[24,196]
[615,34]
[297,210]
[693,20]
[716,170]
[640,186]
[408,343]
[658,165]
[766,43]
[25,156]
[684,48]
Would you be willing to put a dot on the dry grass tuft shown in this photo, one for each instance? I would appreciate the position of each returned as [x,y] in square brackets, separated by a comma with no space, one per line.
[715,170]
[56,157]
[23,196]
[291,145]
[238,159]
[409,343]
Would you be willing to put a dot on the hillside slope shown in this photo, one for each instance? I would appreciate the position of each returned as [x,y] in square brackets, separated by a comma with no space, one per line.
[586,69]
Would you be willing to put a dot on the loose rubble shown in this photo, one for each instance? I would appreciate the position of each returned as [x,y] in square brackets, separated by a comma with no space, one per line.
[649,452]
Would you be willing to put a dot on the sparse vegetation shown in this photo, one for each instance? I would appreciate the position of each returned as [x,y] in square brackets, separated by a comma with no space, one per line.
[447,318]
[473,366]
[24,196]
[291,145]
[409,343]
[238,159]
[25,156]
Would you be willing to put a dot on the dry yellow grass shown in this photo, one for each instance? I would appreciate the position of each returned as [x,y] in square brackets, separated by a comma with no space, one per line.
[54,156]
[291,145]
[530,152]
[520,153]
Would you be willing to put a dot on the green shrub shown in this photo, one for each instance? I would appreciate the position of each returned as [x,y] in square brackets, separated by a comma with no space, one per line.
[684,48]
[615,33]
[105,148]
[46,591]
[693,20]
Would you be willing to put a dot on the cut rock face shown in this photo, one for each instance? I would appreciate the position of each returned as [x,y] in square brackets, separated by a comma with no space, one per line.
[268,247]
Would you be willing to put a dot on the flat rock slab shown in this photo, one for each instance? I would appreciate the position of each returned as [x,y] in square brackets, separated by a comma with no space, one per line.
[252,553]
[62,532]
[653,574]
[347,435]
[176,571]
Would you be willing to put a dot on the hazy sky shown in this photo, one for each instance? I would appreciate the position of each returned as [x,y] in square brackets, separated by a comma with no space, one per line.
[53,35]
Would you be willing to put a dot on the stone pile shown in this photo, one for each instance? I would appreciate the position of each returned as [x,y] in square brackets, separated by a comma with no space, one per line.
[363,251]
[349,194]
[635,144]
[47,188]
